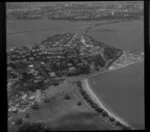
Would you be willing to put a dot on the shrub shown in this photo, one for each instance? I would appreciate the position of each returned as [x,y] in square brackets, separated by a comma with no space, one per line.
[55,83]
[79,103]
[85,97]
[99,110]
[67,97]
[59,74]
[35,106]
[27,115]
[118,124]
[105,114]
[112,119]
[123,126]
[33,127]
[18,121]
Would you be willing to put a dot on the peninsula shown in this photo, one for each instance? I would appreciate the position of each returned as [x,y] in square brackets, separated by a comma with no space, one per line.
[67,56]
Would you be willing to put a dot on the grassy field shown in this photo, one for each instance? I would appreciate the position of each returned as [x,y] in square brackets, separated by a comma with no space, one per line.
[62,114]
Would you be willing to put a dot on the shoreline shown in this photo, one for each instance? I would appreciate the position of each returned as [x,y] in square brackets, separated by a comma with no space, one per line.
[101,105]
[113,69]
[90,108]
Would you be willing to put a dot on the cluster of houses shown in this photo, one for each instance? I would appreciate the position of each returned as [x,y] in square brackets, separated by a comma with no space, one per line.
[25,100]
[37,61]
[74,11]
[55,51]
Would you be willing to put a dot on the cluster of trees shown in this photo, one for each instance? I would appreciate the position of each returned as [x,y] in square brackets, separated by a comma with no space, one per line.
[18,121]
[35,106]
[26,76]
[122,126]
[98,59]
[110,52]
[11,74]
[73,73]
[31,126]
[31,86]
[85,69]
[34,127]
[47,100]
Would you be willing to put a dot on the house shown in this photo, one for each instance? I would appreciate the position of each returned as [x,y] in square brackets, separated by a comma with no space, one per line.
[31,66]
[42,63]
[32,71]
[31,58]
[52,74]
[13,109]
[32,97]
[72,69]
[24,96]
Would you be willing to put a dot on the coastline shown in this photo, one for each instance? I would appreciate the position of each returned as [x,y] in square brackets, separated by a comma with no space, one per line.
[99,102]
[113,69]
[90,108]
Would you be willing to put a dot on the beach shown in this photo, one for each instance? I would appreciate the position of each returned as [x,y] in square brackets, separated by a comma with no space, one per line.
[99,102]
[122,91]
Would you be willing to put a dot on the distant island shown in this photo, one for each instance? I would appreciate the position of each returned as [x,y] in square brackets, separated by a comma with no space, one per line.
[70,56]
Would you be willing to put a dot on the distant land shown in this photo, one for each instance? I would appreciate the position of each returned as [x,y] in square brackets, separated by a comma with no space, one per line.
[75,11]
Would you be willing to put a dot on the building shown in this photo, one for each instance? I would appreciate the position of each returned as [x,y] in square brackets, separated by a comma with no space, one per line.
[52,74]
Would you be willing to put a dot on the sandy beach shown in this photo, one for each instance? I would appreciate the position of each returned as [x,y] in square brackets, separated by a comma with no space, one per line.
[99,102]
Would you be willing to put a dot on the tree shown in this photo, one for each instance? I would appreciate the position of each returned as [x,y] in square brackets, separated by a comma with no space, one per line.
[35,106]
[59,74]
[112,119]
[118,123]
[79,103]
[46,100]
[18,121]
[105,114]
[55,83]
[67,97]
[99,60]
[27,115]
[85,69]
[110,52]
[99,110]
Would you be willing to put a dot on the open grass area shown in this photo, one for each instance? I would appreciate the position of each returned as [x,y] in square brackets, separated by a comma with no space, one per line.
[63,114]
